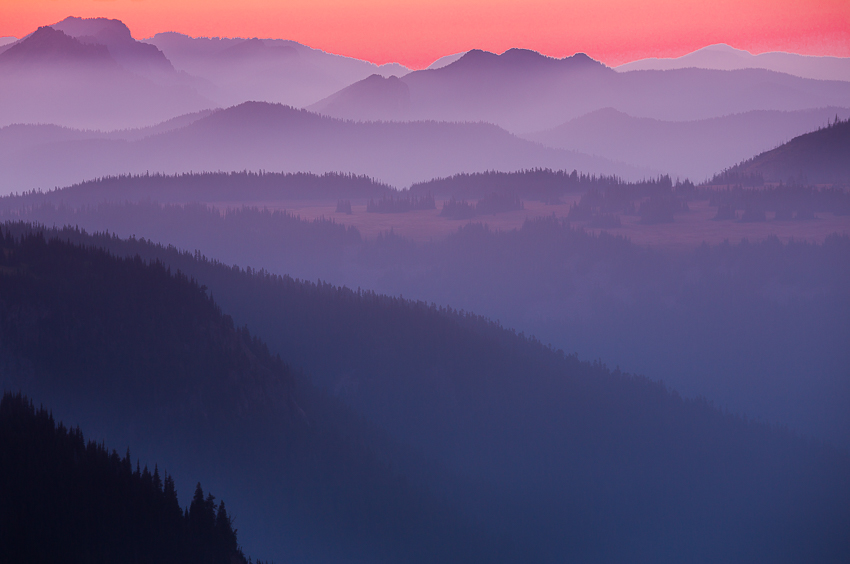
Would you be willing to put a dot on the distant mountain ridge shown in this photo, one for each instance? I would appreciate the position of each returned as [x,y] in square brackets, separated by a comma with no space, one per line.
[524,91]
[726,57]
[237,70]
[692,149]
[446,60]
[259,136]
[519,90]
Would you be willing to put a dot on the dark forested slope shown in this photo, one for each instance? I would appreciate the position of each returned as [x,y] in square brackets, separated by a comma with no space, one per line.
[758,327]
[819,157]
[525,91]
[143,356]
[66,500]
[571,457]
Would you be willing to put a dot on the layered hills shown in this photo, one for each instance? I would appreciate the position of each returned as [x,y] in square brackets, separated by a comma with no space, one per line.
[612,467]
[236,70]
[261,136]
[524,91]
[136,83]
[688,149]
[140,355]
[726,57]
[784,302]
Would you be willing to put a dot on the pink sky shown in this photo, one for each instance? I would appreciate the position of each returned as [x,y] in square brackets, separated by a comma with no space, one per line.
[416,32]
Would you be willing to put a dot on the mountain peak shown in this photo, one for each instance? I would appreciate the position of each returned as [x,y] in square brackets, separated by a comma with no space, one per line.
[52,46]
[103,30]
[520,59]
[116,36]
[376,97]
[723,48]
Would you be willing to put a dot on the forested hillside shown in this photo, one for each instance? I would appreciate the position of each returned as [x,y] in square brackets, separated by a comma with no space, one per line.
[72,501]
[142,356]
[611,466]
[760,327]
[819,157]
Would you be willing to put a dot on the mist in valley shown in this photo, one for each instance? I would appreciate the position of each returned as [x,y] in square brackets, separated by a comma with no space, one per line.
[508,308]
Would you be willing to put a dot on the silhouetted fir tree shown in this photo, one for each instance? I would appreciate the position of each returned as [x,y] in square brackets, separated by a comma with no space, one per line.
[225,533]
[67,501]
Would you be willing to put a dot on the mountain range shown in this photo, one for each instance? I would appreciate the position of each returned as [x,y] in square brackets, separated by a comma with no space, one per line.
[688,149]
[235,70]
[109,80]
[208,73]
[260,136]
[725,57]
[524,91]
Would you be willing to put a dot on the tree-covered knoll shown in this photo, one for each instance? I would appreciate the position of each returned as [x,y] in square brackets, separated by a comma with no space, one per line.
[220,187]
[817,157]
[541,184]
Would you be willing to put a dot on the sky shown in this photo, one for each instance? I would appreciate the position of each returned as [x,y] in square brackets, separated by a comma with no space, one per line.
[417,32]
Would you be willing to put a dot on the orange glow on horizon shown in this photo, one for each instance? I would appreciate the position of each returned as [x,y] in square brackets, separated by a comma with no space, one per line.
[417,32]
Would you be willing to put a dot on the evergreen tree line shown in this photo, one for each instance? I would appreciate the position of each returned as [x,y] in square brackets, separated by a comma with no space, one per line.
[238,187]
[654,200]
[491,205]
[783,199]
[536,185]
[66,500]
[540,184]
[401,204]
